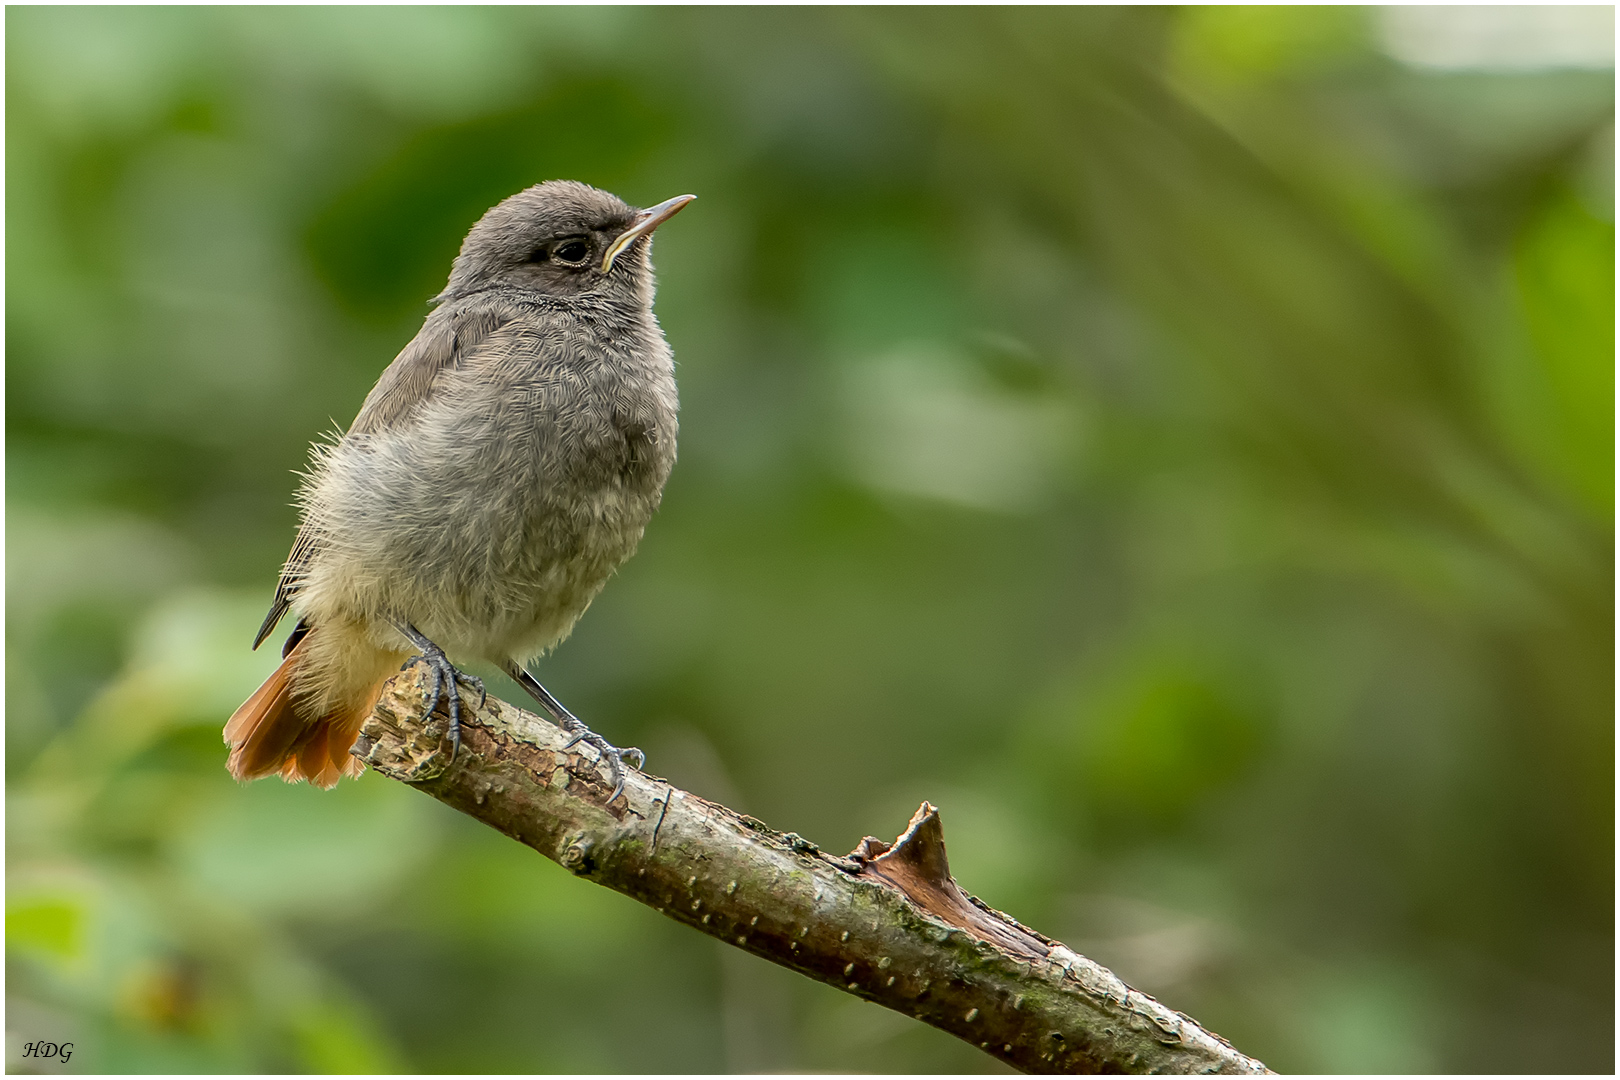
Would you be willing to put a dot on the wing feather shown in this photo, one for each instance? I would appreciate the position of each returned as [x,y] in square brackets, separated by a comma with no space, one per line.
[447,336]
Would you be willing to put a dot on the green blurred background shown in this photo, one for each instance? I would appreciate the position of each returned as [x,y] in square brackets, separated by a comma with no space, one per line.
[1178,442]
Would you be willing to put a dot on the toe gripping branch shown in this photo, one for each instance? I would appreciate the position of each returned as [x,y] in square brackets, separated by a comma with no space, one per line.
[612,756]
[445,678]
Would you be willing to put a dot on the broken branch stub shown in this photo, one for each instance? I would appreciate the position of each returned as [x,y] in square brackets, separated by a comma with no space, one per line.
[888,923]
[916,865]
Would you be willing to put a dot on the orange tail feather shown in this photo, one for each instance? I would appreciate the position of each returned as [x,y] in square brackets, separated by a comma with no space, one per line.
[267,736]
[263,730]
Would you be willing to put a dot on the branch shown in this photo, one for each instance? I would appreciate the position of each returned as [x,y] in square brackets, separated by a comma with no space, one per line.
[887,923]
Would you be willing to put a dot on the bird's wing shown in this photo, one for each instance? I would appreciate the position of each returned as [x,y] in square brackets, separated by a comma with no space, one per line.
[446,337]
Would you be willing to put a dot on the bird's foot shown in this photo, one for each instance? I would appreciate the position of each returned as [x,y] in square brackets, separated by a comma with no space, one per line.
[445,678]
[612,756]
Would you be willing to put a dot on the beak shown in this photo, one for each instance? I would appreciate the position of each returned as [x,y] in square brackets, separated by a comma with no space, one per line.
[646,221]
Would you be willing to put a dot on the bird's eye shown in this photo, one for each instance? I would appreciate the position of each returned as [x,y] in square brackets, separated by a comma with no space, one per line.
[574,251]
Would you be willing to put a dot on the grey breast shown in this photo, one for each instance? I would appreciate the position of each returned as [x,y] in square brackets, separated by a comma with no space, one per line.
[564,428]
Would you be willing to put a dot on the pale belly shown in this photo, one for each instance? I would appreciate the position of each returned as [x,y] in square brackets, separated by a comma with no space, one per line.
[531,593]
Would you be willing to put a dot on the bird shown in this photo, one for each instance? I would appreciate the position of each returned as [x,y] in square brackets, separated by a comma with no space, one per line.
[503,467]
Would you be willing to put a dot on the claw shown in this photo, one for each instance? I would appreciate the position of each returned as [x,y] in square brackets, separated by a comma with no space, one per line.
[438,663]
[445,678]
[612,757]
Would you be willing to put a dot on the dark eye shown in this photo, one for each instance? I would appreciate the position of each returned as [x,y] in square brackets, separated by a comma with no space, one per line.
[573,251]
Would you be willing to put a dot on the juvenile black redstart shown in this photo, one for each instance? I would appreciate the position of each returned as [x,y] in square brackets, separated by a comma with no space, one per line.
[501,469]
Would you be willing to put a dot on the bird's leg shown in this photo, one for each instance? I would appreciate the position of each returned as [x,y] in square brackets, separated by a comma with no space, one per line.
[576,728]
[445,677]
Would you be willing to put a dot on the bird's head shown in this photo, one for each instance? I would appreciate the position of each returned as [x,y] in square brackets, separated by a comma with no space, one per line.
[564,239]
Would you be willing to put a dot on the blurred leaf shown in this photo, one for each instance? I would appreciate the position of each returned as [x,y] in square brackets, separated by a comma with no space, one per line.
[336,1039]
[280,848]
[1159,743]
[1564,267]
[53,926]
[1245,43]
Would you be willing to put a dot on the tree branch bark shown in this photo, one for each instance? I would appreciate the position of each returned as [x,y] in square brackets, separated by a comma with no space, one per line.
[887,923]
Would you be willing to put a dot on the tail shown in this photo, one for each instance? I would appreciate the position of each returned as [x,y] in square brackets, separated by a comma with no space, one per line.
[267,735]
